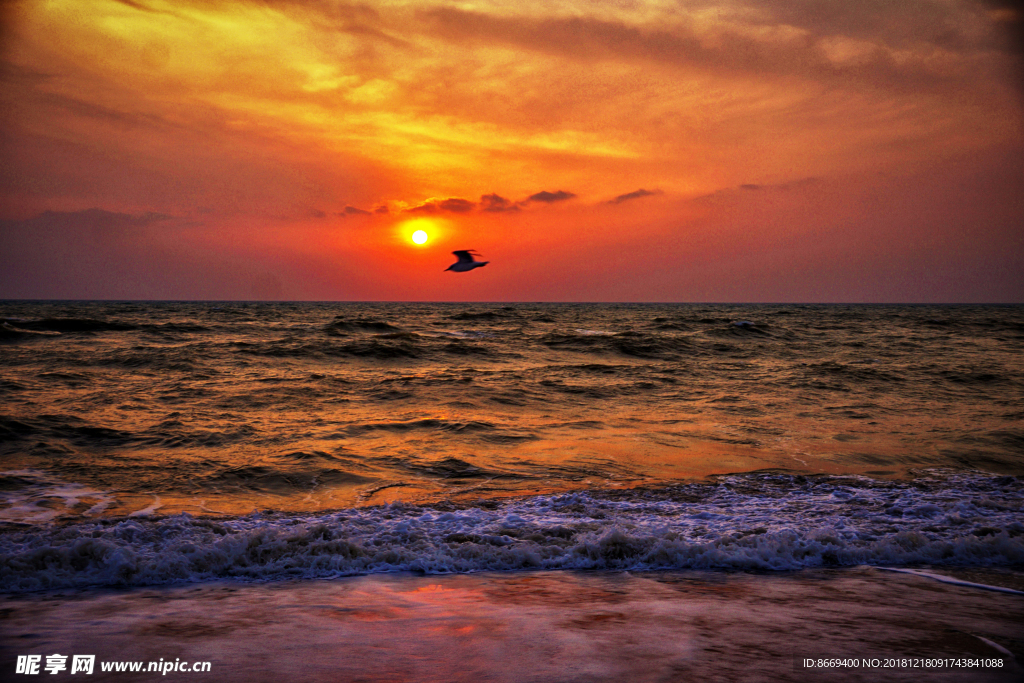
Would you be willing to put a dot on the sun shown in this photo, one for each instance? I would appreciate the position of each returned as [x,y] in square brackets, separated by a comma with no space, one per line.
[420,231]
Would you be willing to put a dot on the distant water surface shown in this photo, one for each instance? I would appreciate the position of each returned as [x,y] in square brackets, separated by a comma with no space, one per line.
[310,414]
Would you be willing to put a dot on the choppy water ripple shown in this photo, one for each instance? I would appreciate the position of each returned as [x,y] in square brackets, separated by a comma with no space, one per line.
[229,407]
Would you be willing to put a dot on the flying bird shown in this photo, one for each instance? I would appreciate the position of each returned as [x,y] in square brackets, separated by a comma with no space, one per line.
[465,261]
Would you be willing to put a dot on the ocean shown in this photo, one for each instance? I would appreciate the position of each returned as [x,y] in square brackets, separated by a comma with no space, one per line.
[189,446]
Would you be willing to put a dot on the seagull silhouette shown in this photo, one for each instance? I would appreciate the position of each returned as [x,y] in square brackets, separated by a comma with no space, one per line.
[465,261]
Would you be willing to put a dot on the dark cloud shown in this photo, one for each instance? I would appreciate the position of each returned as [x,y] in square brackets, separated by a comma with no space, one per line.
[549,197]
[734,193]
[956,26]
[100,254]
[1009,19]
[451,204]
[457,205]
[29,88]
[902,38]
[382,209]
[497,203]
[65,253]
[352,211]
[97,221]
[636,194]
[1010,16]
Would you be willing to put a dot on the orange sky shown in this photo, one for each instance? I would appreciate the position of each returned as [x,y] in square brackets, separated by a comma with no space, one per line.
[684,150]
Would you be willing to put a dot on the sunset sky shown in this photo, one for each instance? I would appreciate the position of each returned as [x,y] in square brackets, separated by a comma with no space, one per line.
[684,150]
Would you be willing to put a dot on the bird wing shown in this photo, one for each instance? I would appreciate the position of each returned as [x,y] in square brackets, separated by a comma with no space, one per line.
[464,255]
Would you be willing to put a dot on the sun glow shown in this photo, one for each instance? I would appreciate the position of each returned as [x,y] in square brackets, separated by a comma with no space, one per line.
[422,230]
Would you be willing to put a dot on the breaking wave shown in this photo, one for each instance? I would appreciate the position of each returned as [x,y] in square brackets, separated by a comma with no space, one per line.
[764,521]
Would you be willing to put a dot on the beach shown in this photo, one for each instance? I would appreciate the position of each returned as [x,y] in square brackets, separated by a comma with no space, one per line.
[858,624]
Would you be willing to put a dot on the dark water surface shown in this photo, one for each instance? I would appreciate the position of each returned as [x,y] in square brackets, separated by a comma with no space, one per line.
[503,436]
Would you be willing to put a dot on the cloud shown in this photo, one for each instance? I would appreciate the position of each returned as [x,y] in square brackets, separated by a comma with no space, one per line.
[353,211]
[636,194]
[101,254]
[337,17]
[903,46]
[428,207]
[742,192]
[491,203]
[457,205]
[451,204]
[96,221]
[145,8]
[71,253]
[496,203]
[549,197]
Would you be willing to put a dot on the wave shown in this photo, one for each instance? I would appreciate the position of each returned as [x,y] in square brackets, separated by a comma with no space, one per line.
[380,347]
[273,480]
[460,348]
[9,332]
[170,433]
[636,344]
[761,521]
[173,434]
[486,431]
[856,373]
[340,326]
[746,328]
[66,427]
[483,315]
[173,328]
[66,325]
[428,423]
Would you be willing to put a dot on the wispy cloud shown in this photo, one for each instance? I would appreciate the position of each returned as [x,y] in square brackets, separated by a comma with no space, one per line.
[550,197]
[636,194]
[495,203]
[880,44]
[95,220]
[451,205]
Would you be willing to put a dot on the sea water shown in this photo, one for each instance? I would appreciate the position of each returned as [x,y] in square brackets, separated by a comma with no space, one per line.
[178,443]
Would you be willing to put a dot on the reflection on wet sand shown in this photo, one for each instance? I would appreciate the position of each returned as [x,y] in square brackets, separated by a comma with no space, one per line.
[543,626]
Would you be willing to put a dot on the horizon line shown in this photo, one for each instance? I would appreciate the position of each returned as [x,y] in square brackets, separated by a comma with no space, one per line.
[521,302]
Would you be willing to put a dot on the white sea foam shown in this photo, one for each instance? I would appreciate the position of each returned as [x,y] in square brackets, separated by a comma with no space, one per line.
[942,578]
[753,522]
[150,510]
[40,497]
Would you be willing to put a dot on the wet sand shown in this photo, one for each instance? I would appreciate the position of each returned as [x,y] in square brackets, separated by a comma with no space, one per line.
[533,626]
